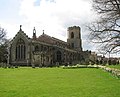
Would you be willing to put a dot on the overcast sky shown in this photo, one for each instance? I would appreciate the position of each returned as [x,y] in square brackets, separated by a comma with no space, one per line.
[52,16]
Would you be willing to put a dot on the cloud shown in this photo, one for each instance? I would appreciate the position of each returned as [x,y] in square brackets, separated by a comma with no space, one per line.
[54,16]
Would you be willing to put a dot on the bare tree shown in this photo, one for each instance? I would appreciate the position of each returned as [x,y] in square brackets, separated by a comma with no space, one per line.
[2,35]
[106,30]
[3,45]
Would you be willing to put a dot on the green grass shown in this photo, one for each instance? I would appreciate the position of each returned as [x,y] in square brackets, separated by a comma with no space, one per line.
[114,66]
[57,82]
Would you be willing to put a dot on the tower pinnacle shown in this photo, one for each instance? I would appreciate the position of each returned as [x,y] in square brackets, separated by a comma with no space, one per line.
[20,27]
[34,33]
[43,31]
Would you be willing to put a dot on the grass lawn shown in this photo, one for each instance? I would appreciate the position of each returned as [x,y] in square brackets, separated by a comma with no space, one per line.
[114,66]
[58,82]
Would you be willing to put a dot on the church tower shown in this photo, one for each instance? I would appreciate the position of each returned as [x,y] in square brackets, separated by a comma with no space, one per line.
[74,38]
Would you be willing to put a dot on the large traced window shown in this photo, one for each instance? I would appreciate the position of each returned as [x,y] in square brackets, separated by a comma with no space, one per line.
[20,50]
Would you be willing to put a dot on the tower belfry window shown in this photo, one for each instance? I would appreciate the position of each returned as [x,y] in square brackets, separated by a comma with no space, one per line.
[72,35]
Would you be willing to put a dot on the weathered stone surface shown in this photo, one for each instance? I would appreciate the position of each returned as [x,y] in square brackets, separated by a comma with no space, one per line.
[46,50]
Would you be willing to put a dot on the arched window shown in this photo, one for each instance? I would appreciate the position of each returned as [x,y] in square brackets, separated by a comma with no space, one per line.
[72,44]
[41,48]
[36,48]
[47,59]
[20,50]
[59,56]
[45,48]
[72,35]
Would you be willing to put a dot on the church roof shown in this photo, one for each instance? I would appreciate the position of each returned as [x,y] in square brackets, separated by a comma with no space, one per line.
[46,38]
[50,40]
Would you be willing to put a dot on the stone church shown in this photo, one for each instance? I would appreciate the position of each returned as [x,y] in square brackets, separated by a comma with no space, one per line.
[46,50]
